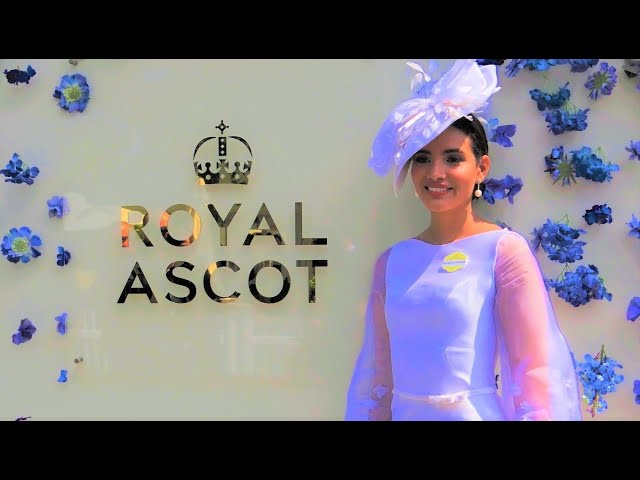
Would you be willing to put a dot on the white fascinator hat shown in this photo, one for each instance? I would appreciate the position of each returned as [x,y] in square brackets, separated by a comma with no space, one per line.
[434,105]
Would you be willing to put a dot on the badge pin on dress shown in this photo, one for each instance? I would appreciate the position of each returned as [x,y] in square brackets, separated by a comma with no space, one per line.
[454,262]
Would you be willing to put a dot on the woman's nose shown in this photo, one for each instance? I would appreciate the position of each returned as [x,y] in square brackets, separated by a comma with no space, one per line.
[437,171]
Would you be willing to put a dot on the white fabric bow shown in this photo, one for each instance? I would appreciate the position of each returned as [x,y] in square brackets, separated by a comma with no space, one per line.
[464,89]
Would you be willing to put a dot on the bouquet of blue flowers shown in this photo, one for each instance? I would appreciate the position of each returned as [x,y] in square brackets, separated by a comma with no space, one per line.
[598,377]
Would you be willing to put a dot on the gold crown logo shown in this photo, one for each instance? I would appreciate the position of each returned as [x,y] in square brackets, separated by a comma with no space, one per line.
[222,173]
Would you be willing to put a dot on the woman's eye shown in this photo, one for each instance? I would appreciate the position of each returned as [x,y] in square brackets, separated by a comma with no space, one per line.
[455,159]
[421,158]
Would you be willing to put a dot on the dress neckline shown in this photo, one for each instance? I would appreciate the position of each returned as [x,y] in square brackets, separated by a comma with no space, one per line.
[458,240]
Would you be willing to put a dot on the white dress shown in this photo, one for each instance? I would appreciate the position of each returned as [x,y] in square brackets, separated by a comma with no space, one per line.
[435,327]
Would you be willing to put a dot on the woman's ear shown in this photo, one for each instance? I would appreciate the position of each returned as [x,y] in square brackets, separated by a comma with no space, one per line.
[485,165]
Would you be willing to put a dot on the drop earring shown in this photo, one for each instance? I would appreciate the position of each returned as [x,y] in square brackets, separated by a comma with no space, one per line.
[478,192]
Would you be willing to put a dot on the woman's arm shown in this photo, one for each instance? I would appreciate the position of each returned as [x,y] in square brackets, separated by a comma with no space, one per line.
[370,391]
[538,378]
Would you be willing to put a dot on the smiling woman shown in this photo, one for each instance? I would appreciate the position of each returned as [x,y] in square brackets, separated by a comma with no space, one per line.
[448,171]
[445,304]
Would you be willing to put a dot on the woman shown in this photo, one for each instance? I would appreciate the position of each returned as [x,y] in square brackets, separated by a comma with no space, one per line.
[445,304]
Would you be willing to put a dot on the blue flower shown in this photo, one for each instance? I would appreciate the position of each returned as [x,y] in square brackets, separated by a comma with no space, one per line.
[73,93]
[17,171]
[62,323]
[514,67]
[636,390]
[537,233]
[635,226]
[17,76]
[633,149]
[489,61]
[633,310]
[559,241]
[582,65]
[63,376]
[63,257]
[560,167]
[500,133]
[588,165]
[567,120]
[602,82]
[598,214]
[25,332]
[20,245]
[580,287]
[508,187]
[550,101]
[58,206]
[598,377]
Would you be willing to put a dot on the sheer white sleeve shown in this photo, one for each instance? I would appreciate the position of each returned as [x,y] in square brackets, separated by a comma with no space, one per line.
[371,387]
[538,379]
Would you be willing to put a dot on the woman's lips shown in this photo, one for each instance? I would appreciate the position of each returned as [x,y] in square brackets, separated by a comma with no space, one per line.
[439,192]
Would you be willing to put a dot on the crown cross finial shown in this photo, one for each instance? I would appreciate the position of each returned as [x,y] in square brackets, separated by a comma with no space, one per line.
[224,170]
[222,127]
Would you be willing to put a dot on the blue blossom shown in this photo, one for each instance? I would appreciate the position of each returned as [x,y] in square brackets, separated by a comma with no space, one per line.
[636,390]
[582,65]
[588,165]
[514,67]
[72,93]
[20,245]
[633,149]
[500,133]
[17,76]
[599,377]
[635,226]
[566,120]
[16,171]
[633,310]
[536,241]
[559,241]
[603,81]
[538,64]
[489,61]
[63,376]
[63,256]
[598,214]
[62,323]
[560,167]
[58,206]
[25,332]
[508,187]
[550,101]
[580,287]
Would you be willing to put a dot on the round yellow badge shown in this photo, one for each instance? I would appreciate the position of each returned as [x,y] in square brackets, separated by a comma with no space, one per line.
[454,261]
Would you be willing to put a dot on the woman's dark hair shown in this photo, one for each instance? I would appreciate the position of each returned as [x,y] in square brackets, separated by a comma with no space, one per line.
[475,130]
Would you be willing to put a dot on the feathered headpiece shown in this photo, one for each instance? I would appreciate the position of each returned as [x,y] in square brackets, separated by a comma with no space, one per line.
[434,105]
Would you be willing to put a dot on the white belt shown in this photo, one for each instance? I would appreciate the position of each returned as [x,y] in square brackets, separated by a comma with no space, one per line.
[446,400]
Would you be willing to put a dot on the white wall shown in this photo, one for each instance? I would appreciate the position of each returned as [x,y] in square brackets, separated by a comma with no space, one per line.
[310,124]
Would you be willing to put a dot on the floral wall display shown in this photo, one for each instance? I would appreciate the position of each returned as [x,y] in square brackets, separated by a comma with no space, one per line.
[559,177]
[581,167]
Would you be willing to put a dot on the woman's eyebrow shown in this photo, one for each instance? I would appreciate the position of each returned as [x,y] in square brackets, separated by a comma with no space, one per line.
[449,150]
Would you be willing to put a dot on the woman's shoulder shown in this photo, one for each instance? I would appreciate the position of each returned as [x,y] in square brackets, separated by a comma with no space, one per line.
[513,243]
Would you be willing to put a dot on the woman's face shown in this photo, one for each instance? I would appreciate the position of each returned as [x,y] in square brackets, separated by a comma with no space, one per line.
[445,171]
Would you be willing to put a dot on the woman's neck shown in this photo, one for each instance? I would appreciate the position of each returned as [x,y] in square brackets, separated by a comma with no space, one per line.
[452,225]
